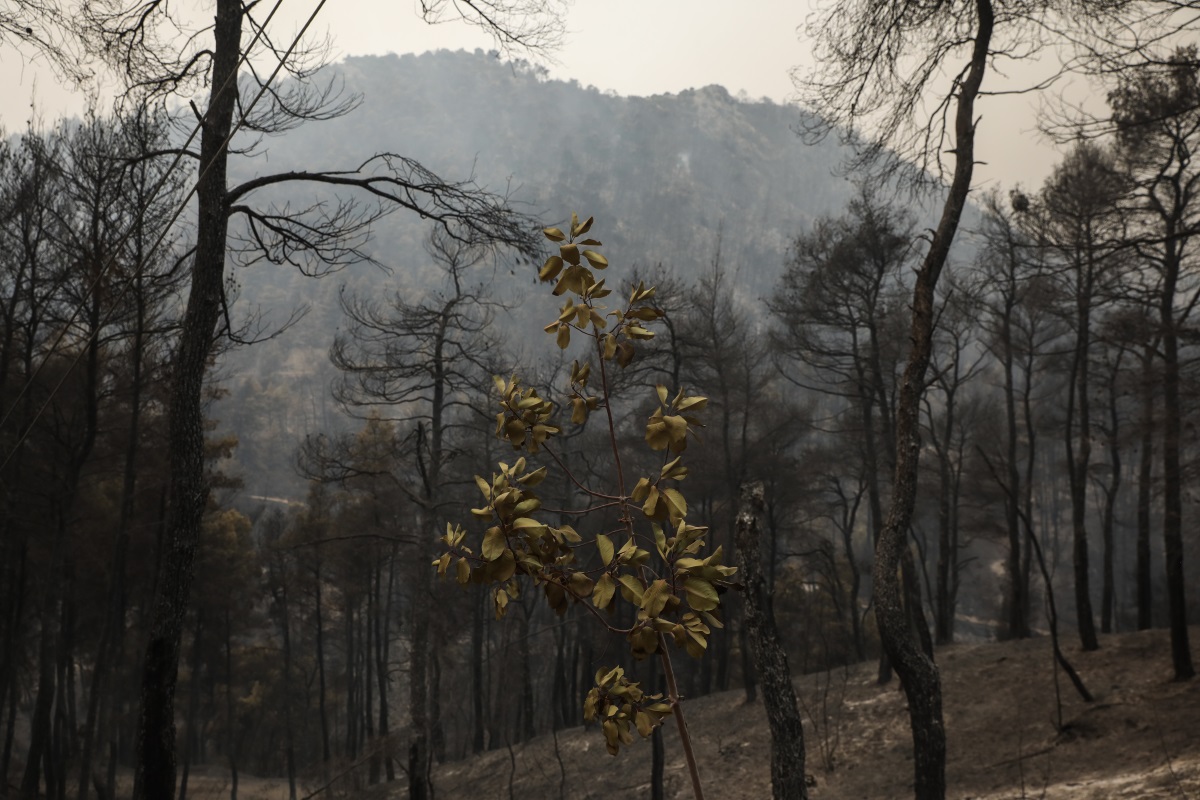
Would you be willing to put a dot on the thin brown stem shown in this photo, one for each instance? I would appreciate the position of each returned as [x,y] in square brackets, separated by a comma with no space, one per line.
[685,738]
[612,433]
[571,476]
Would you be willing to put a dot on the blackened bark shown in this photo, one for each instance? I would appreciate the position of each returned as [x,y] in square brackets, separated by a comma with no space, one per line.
[419,786]
[230,720]
[770,660]
[1018,618]
[382,644]
[39,735]
[189,739]
[1078,457]
[917,671]
[1108,600]
[477,726]
[290,736]
[1181,655]
[1145,596]
[326,754]
[155,771]
[1052,616]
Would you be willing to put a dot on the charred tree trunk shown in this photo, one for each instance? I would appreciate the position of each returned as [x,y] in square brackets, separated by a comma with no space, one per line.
[1181,654]
[1145,595]
[477,720]
[1078,458]
[770,660]
[917,671]
[189,737]
[155,772]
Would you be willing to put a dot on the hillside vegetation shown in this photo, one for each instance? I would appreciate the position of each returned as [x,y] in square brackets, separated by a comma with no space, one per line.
[666,174]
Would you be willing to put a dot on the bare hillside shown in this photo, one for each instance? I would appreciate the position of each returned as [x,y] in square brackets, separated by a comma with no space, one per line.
[1140,739]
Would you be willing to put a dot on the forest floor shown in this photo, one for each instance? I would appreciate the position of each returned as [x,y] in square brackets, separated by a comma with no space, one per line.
[1139,739]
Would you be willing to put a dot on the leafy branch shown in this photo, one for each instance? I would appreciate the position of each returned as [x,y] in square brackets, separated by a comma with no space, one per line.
[660,569]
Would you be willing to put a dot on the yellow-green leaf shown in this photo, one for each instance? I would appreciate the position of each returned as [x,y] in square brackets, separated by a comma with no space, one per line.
[493,544]
[603,591]
[676,505]
[701,595]
[650,507]
[655,598]
[551,268]
[605,546]
[631,589]
[569,253]
[532,479]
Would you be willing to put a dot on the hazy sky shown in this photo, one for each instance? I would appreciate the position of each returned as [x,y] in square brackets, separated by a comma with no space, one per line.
[631,46]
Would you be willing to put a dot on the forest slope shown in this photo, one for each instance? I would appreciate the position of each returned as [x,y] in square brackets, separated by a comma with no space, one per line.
[665,176]
[1140,739]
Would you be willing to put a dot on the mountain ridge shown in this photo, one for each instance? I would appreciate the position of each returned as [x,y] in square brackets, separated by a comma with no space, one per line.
[666,176]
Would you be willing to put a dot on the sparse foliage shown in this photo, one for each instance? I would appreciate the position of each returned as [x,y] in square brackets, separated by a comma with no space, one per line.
[659,568]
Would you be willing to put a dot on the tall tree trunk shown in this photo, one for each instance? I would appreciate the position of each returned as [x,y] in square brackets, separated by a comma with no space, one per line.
[39,725]
[189,737]
[419,787]
[230,717]
[477,720]
[1108,601]
[289,733]
[155,772]
[874,504]
[1181,654]
[1145,594]
[382,645]
[770,660]
[1078,458]
[114,616]
[917,671]
[351,743]
[322,706]
[1017,601]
